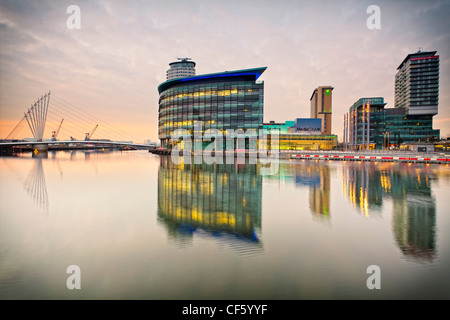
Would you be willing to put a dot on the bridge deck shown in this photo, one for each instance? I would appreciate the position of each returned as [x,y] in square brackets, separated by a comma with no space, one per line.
[84,142]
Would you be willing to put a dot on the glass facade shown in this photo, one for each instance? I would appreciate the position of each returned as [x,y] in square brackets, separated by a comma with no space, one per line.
[274,127]
[387,128]
[224,101]
[402,128]
[286,140]
[358,122]
[298,142]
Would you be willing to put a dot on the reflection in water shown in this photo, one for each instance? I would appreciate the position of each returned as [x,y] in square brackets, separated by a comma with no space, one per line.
[223,201]
[217,212]
[414,214]
[312,174]
[319,193]
[414,223]
[363,184]
[414,208]
[36,186]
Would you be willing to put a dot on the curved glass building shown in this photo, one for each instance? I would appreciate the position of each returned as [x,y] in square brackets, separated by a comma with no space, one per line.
[225,101]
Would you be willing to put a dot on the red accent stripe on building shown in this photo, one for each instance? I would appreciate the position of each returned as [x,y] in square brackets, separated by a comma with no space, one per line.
[424,58]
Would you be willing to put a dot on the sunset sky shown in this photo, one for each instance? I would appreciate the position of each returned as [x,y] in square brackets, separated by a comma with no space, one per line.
[111,67]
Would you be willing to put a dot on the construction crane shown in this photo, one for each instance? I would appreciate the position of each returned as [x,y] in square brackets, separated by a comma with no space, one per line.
[55,133]
[89,135]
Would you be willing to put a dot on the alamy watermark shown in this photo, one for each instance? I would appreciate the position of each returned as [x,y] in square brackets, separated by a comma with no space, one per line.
[239,145]
[374,280]
[74,20]
[374,20]
[74,280]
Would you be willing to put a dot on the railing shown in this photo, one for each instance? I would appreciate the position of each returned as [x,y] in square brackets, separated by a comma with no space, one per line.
[363,152]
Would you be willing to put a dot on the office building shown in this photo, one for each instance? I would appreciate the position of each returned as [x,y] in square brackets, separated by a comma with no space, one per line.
[321,107]
[297,135]
[417,84]
[299,142]
[225,101]
[369,125]
[365,124]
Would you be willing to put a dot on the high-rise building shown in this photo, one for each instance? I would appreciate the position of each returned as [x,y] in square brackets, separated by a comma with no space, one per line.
[225,101]
[417,84]
[321,107]
[181,69]
[368,125]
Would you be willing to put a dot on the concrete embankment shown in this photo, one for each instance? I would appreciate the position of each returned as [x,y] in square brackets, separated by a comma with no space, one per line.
[440,158]
[374,157]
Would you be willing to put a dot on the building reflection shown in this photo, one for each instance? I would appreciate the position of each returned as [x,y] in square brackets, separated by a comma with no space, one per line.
[220,201]
[35,185]
[414,208]
[414,223]
[414,212]
[315,175]
[363,184]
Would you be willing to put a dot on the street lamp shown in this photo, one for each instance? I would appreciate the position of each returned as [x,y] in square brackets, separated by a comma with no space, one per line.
[386,145]
[388,140]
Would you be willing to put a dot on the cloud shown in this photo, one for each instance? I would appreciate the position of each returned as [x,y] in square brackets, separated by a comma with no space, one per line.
[114,63]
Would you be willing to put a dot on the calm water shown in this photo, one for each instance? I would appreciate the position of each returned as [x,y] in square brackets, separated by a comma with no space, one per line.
[140,227]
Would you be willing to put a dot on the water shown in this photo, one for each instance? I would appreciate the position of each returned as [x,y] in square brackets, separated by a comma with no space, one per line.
[140,227]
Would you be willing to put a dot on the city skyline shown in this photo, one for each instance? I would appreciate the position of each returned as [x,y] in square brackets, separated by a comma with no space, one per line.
[111,67]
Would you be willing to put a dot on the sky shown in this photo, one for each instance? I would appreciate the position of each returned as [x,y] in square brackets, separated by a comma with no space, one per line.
[111,66]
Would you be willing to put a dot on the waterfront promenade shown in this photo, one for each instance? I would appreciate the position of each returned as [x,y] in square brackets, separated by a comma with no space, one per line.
[369,155]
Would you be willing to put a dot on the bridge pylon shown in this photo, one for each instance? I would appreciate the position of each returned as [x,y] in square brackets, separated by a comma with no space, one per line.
[36,116]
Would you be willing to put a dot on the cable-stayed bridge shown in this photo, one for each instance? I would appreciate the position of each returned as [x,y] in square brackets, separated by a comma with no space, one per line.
[64,123]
